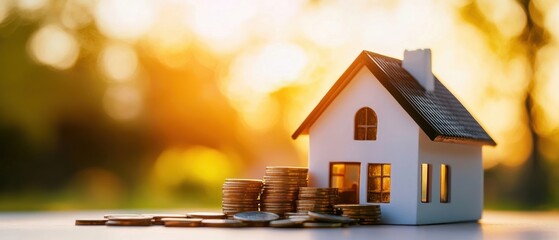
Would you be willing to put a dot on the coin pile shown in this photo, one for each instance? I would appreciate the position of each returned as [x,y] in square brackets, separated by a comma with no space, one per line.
[317,199]
[240,195]
[364,214]
[280,189]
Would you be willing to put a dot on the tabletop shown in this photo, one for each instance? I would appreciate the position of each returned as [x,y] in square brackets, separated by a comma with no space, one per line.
[494,225]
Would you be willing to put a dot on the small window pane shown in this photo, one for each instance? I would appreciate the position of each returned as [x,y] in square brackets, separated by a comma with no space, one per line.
[338,169]
[374,197]
[376,169]
[386,169]
[386,184]
[385,197]
[376,185]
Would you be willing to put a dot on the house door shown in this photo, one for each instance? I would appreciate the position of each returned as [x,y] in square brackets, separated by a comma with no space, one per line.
[345,177]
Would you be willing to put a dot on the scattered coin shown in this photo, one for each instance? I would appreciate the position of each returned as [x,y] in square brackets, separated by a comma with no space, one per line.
[321,225]
[286,223]
[222,223]
[90,222]
[108,216]
[157,217]
[182,222]
[250,217]
[138,220]
[324,217]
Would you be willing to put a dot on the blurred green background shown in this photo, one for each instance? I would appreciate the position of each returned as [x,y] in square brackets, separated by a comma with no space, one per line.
[151,104]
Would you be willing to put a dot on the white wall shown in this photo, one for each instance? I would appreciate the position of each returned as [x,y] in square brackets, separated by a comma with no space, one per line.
[331,140]
[466,182]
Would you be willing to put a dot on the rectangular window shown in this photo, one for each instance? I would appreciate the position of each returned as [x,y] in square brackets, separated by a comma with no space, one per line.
[345,177]
[378,183]
[425,182]
[445,182]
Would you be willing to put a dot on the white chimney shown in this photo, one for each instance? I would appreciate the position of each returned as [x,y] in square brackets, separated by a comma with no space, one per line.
[418,64]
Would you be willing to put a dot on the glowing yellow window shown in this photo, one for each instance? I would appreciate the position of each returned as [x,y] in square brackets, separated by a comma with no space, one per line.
[425,182]
[378,183]
[445,183]
[345,177]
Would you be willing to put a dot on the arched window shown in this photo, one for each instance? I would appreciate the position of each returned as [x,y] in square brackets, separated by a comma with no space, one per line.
[365,124]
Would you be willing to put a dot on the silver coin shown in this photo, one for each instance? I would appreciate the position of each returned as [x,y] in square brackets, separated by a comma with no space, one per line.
[256,216]
[286,223]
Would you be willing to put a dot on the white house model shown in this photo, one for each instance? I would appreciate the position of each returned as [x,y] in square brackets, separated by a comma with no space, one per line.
[390,133]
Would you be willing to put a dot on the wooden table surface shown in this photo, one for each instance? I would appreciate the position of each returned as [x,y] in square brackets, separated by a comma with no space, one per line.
[494,225]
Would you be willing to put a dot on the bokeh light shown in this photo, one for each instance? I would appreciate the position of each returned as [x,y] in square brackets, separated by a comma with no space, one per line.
[51,45]
[119,62]
[125,19]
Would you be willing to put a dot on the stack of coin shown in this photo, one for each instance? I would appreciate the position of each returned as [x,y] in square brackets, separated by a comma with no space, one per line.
[317,199]
[364,214]
[240,195]
[281,186]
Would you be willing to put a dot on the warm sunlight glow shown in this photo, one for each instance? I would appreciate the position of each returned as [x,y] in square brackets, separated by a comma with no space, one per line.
[30,5]
[202,165]
[77,14]
[119,62]
[125,19]
[53,46]
[123,102]
[221,23]
[268,68]
[5,8]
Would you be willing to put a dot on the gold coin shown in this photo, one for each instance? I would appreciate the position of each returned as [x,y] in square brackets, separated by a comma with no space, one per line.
[182,222]
[243,180]
[321,225]
[90,222]
[108,216]
[206,215]
[128,223]
[222,223]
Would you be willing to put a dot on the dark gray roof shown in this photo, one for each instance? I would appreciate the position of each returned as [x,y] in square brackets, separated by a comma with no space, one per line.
[438,113]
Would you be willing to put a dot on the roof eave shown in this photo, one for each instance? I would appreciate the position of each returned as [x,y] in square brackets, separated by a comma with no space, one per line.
[330,95]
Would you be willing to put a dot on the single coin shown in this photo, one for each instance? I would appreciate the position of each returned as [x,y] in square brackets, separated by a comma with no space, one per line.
[300,218]
[128,223]
[159,216]
[131,218]
[295,214]
[90,222]
[112,215]
[222,223]
[324,217]
[256,216]
[206,215]
[182,222]
[356,206]
[286,223]
[321,225]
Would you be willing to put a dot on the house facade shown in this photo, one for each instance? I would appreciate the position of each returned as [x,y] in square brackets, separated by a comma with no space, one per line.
[383,135]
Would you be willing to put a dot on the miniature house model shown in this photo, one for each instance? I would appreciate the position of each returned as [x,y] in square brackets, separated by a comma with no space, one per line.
[390,133]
